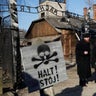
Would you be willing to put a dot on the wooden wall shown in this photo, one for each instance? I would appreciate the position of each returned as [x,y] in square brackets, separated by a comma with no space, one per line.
[69,44]
[41,29]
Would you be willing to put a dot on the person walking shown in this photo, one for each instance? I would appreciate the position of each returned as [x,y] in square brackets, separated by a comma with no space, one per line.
[83,59]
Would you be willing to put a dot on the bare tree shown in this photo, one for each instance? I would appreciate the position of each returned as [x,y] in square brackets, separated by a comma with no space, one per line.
[89,2]
[90,6]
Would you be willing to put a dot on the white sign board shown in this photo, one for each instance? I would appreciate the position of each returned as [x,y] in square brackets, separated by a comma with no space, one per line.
[43,65]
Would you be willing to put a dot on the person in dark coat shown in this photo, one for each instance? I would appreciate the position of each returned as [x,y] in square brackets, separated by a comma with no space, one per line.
[93,58]
[83,60]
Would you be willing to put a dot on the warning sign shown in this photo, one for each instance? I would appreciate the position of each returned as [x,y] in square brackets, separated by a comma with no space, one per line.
[43,65]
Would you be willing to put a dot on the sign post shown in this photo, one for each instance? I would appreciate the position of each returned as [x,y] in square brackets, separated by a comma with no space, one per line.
[44,65]
[48,91]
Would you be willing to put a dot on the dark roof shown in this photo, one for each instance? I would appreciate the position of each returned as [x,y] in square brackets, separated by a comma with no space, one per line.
[72,23]
[63,23]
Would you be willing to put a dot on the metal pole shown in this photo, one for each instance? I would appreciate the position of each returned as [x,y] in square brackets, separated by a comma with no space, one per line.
[47,92]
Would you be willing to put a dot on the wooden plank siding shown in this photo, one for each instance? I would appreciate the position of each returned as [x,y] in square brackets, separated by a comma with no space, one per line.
[42,29]
[68,43]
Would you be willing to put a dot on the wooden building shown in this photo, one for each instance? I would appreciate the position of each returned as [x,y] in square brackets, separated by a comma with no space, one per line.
[53,25]
[52,29]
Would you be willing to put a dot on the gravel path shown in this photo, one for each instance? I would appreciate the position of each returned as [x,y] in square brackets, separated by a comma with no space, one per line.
[69,87]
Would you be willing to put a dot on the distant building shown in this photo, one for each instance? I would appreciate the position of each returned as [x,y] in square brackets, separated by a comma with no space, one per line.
[50,27]
[51,8]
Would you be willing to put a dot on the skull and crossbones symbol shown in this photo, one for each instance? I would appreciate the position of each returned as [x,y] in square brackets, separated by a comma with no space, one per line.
[45,55]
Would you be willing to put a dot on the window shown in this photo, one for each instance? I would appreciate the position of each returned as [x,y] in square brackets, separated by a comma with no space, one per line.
[42,14]
[29,43]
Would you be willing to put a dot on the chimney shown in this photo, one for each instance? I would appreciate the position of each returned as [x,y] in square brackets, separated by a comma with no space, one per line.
[65,1]
[85,10]
[94,11]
